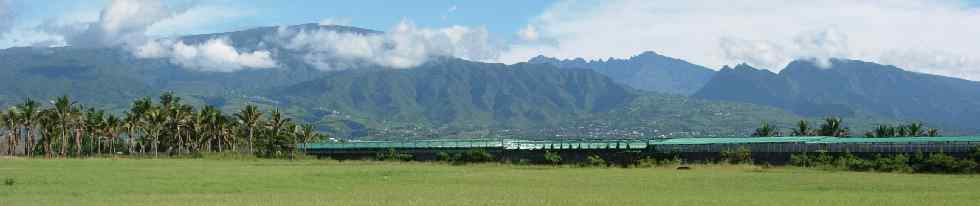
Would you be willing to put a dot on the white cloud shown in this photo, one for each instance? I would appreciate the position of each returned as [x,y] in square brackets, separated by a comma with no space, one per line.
[131,23]
[340,21]
[214,55]
[404,46]
[194,18]
[528,33]
[122,22]
[929,36]
[6,17]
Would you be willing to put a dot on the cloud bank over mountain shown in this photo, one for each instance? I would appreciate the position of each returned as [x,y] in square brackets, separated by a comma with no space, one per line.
[136,25]
[214,55]
[128,24]
[404,45]
[936,37]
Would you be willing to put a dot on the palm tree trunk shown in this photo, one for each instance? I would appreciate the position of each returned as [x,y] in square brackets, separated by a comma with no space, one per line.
[112,143]
[29,149]
[47,148]
[64,141]
[180,141]
[131,141]
[251,141]
[78,142]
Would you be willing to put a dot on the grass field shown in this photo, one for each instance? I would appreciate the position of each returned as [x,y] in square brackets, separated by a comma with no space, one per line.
[272,182]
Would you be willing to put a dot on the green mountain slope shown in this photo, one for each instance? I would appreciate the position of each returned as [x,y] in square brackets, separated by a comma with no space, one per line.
[458,93]
[853,88]
[648,71]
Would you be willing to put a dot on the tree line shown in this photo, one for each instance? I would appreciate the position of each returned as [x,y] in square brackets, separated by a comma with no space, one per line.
[169,127]
[834,127]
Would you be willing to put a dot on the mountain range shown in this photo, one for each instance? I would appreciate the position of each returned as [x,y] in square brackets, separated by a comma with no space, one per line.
[647,71]
[850,88]
[648,95]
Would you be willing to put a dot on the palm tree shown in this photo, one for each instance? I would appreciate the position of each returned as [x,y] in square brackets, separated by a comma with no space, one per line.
[93,125]
[933,132]
[915,130]
[209,120]
[63,107]
[48,122]
[155,122]
[767,130]
[132,123]
[884,131]
[277,122]
[171,125]
[306,134]
[833,127]
[111,129]
[802,129]
[249,117]
[179,117]
[10,121]
[78,125]
[29,112]
[3,120]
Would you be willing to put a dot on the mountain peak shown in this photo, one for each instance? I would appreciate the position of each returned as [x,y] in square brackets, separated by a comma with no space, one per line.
[648,54]
[646,71]
[744,66]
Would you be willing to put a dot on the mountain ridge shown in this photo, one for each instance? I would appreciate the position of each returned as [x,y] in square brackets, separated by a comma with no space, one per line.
[849,87]
[646,71]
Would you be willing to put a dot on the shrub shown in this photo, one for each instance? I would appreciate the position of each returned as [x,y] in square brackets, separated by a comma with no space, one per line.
[475,156]
[741,155]
[850,162]
[800,160]
[654,162]
[8,181]
[595,161]
[392,155]
[897,163]
[943,163]
[552,157]
[444,156]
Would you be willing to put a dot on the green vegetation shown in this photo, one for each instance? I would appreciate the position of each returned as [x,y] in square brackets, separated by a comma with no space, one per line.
[447,98]
[740,155]
[909,130]
[923,163]
[834,127]
[320,182]
[392,155]
[852,88]
[767,130]
[466,157]
[68,129]
[552,157]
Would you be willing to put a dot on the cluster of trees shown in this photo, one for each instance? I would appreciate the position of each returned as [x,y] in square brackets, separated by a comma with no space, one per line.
[909,130]
[919,162]
[170,127]
[834,127]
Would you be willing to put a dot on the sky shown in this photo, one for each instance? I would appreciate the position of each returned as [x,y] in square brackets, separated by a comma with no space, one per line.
[930,36]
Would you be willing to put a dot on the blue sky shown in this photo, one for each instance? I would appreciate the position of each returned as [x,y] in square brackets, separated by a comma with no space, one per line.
[930,36]
[500,17]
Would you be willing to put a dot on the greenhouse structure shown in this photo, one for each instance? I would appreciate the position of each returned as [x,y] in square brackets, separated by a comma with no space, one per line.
[775,149]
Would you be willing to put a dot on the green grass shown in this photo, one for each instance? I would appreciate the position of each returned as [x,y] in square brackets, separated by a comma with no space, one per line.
[271,182]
